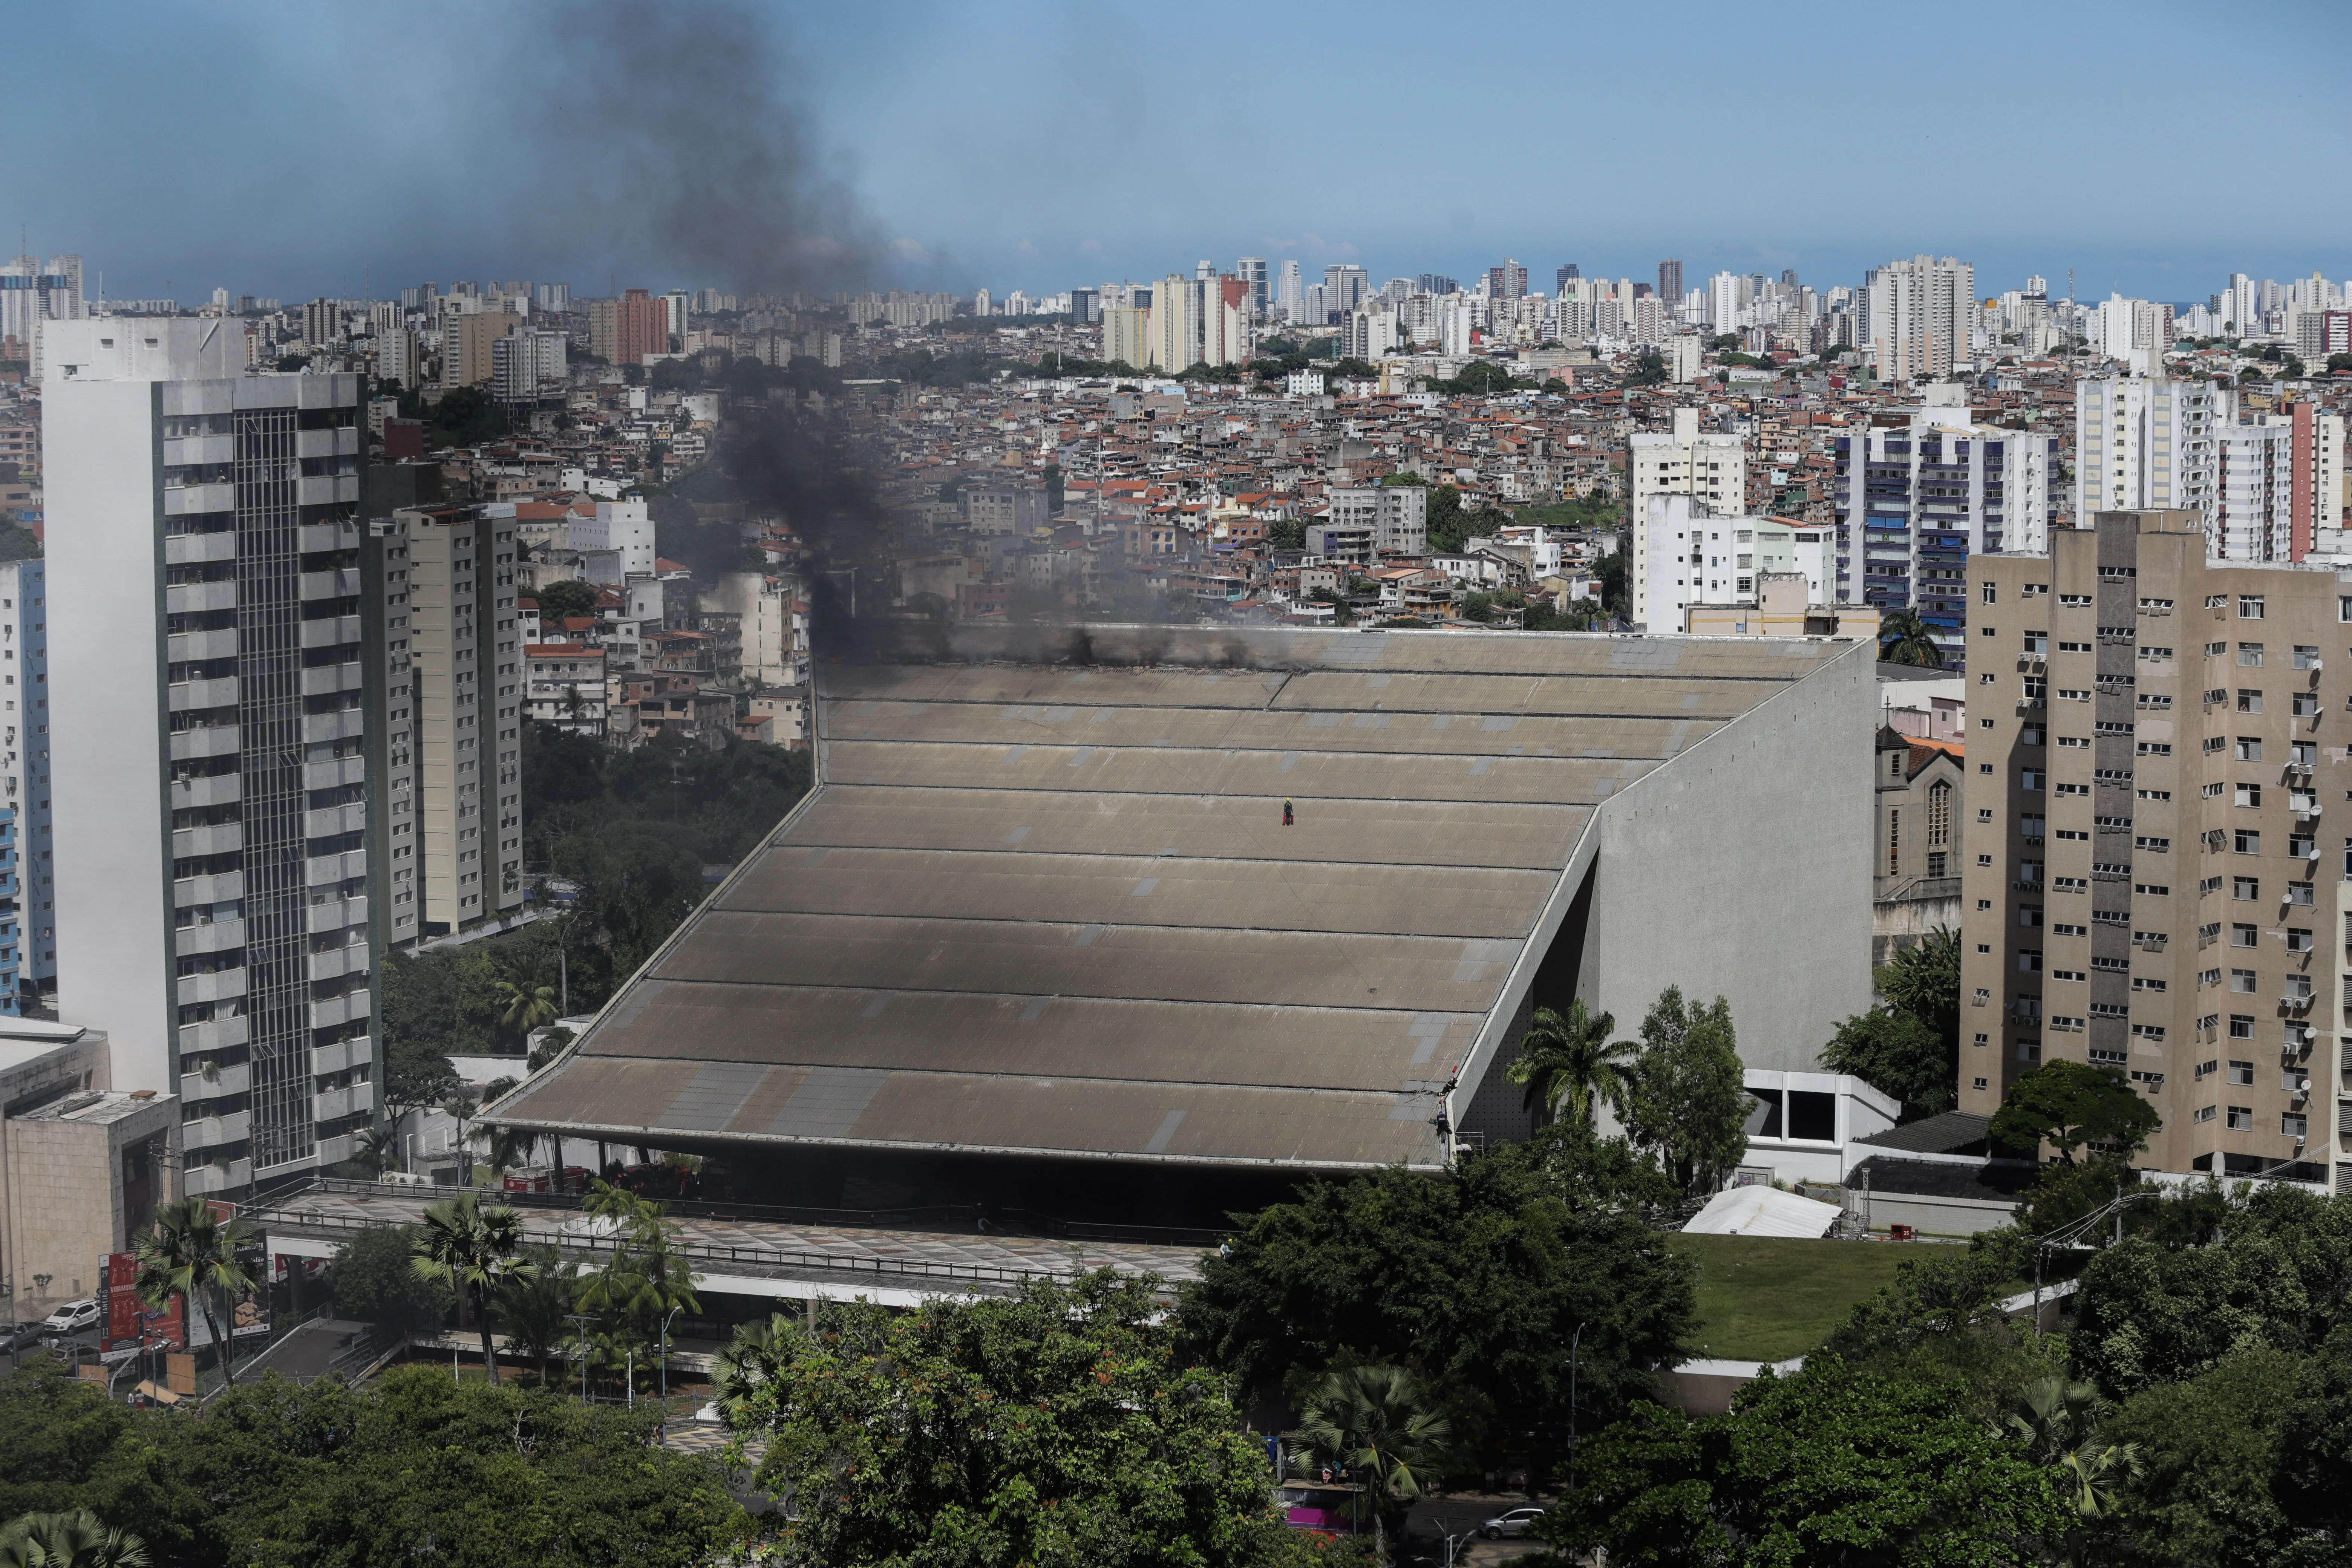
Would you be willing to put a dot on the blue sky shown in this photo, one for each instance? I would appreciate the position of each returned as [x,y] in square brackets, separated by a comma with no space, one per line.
[292,150]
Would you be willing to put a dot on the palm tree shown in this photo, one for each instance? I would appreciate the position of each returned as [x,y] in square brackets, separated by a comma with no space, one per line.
[756,1356]
[192,1252]
[1376,1422]
[1904,639]
[533,1301]
[1572,1058]
[76,1540]
[474,1249]
[644,1280]
[380,1146]
[523,1008]
[2059,1422]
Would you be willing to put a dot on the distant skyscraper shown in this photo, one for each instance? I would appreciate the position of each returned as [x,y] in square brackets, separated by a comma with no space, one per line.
[1289,295]
[33,291]
[1787,278]
[1250,270]
[1670,279]
[1508,281]
[1920,314]
[1344,287]
[1436,283]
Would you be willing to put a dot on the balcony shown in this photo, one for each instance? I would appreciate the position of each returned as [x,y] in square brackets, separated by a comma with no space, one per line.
[336,961]
[216,936]
[214,1131]
[218,789]
[212,889]
[334,773]
[344,1054]
[221,838]
[183,549]
[346,724]
[337,1010]
[220,985]
[326,680]
[198,1180]
[189,694]
[213,741]
[184,598]
[335,914]
[218,1084]
[214,1035]
[330,631]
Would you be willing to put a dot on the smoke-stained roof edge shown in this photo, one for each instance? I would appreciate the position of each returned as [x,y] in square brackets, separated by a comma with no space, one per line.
[673,1137]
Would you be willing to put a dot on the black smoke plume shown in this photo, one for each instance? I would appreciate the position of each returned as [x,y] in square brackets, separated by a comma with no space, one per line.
[675,133]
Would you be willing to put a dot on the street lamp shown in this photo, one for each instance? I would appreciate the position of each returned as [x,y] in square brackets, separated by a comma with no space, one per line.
[1575,1345]
[584,1322]
[674,1312]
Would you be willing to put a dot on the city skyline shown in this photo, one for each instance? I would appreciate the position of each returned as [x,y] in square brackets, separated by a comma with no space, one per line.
[925,171]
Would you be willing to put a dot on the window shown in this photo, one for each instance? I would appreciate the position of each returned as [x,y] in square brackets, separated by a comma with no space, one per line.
[2206,1112]
[1991,597]
[2037,642]
[2298,893]
[2207,1069]
[2249,701]
[2306,656]
[2249,654]
[2241,936]
[1940,816]
[2249,794]
[2240,980]
[2242,1027]
[2246,841]
[2298,939]
[2249,750]
[2241,1119]
[2294,1123]
[2029,914]
[2030,779]
[2302,704]
[2249,606]
[2061,928]
[2029,961]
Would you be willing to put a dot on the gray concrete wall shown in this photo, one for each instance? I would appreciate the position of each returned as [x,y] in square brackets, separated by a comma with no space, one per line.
[1741,869]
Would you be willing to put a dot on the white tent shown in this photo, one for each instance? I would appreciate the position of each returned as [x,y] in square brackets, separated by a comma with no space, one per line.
[1762,1211]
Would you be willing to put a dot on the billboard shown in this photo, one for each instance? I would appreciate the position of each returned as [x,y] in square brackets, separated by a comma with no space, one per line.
[124,1318]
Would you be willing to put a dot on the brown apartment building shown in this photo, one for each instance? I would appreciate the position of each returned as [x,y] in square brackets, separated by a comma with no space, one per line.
[2157,761]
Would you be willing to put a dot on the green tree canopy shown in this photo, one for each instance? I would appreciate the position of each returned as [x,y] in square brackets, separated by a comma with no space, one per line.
[1830,1466]
[2208,1450]
[1896,1054]
[2279,1273]
[2069,1104]
[1571,1057]
[563,598]
[409,1468]
[374,1280]
[1688,1103]
[1475,1279]
[1054,1428]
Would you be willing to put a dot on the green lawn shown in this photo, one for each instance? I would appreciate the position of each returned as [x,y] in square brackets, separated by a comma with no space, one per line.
[1769,1298]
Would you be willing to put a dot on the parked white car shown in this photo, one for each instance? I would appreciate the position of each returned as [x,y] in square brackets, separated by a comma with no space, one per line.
[71,1318]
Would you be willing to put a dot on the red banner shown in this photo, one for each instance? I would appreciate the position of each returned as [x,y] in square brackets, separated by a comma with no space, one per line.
[123,1318]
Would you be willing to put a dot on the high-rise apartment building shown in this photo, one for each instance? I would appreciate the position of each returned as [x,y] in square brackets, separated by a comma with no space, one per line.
[1918,315]
[625,330]
[2151,884]
[1670,281]
[468,346]
[1250,270]
[1224,321]
[1289,293]
[1175,324]
[522,361]
[1127,336]
[1508,281]
[1917,495]
[449,817]
[1344,287]
[33,292]
[211,785]
[2253,491]
[25,765]
[1710,468]
[2146,443]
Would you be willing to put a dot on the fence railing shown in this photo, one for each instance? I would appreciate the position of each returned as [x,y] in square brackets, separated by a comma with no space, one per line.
[708,1257]
[1011,1222]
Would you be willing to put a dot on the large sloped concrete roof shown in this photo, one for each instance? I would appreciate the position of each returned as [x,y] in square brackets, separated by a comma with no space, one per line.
[1052,908]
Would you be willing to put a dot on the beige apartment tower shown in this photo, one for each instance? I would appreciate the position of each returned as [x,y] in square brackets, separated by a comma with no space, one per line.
[452,832]
[2154,878]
